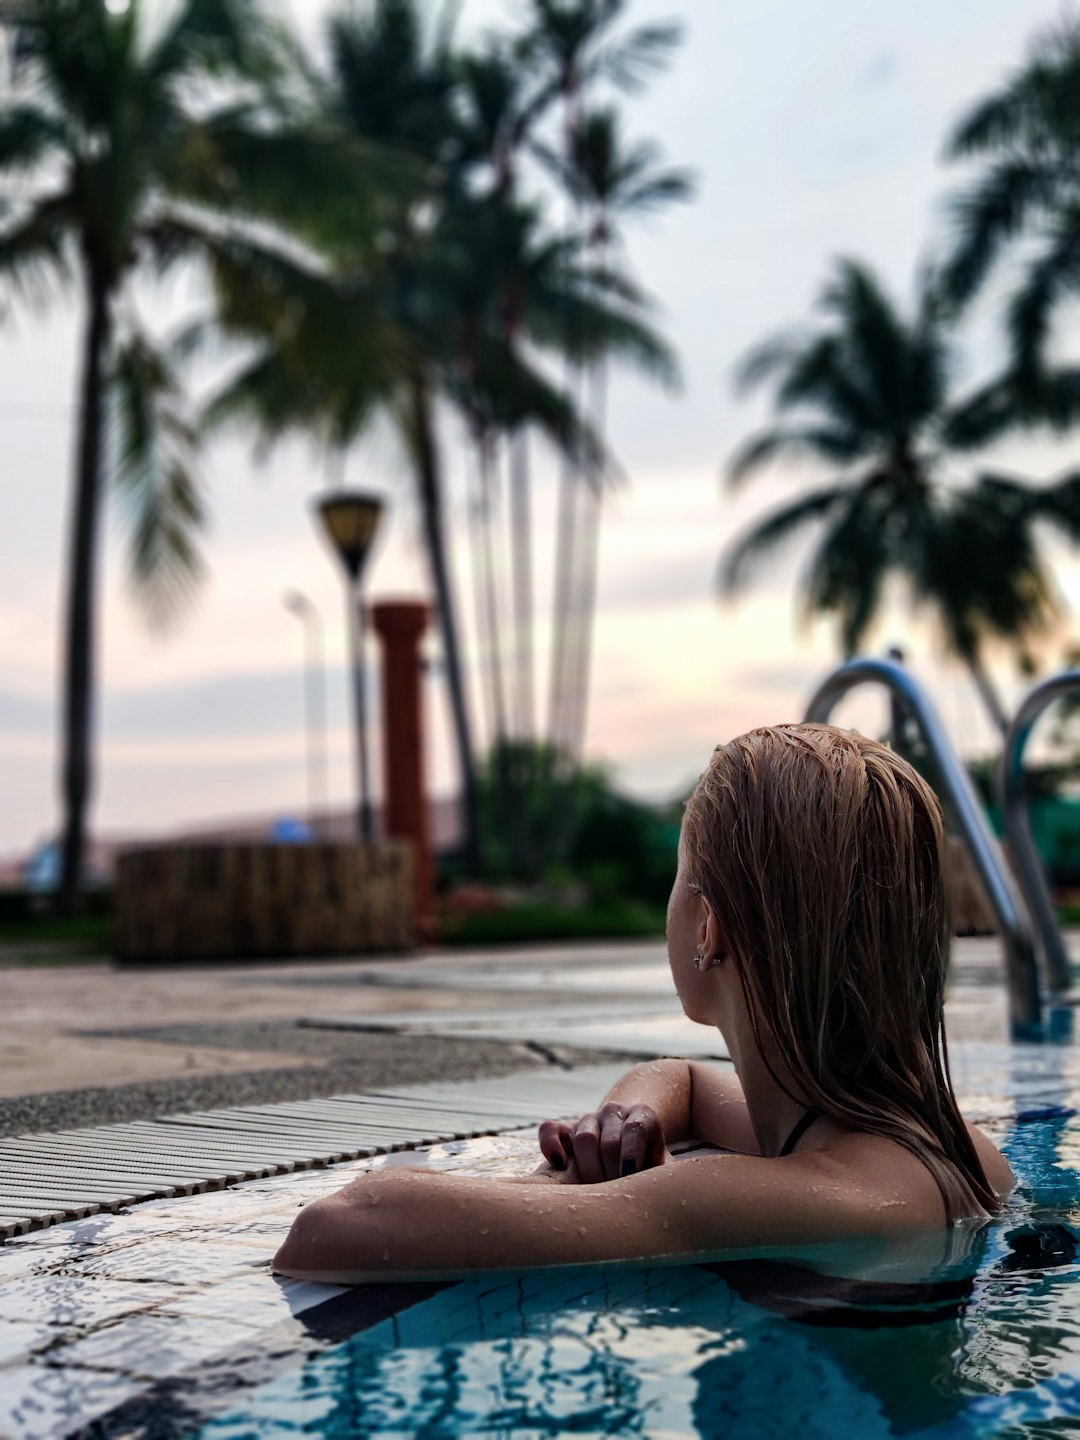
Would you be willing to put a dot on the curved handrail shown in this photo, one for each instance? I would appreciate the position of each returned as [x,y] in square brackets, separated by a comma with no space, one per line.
[1018,824]
[1025,1000]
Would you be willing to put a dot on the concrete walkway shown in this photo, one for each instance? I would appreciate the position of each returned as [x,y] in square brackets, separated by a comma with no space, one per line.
[73,1027]
[45,1045]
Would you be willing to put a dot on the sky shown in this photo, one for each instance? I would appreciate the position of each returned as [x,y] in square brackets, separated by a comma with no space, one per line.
[815,129]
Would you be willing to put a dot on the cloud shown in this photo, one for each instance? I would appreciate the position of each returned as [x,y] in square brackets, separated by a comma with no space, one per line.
[217,707]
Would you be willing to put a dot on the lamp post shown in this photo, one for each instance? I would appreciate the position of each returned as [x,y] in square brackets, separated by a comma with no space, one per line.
[349,521]
[314,702]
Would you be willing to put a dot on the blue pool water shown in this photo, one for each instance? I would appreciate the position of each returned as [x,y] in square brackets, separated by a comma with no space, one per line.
[973,1334]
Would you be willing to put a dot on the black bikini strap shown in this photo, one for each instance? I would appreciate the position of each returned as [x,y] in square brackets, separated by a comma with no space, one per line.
[799,1129]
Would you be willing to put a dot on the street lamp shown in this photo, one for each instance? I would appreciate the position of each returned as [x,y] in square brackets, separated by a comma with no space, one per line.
[349,521]
[314,702]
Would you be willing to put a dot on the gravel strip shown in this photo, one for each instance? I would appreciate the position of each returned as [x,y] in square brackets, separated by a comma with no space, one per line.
[359,1061]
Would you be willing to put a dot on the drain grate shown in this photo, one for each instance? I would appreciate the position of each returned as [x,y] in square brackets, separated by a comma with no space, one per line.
[49,1178]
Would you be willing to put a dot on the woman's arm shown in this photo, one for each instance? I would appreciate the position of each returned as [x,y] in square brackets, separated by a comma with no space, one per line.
[681,1098]
[411,1225]
[691,1099]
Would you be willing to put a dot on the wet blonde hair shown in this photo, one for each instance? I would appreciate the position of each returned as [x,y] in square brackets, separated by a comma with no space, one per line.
[821,853]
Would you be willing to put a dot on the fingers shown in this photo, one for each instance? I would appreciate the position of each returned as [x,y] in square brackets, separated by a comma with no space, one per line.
[586,1143]
[642,1141]
[606,1145]
[612,1118]
[557,1143]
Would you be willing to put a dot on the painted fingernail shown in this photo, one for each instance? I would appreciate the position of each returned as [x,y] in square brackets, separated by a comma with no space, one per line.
[558,1163]
[629,1165]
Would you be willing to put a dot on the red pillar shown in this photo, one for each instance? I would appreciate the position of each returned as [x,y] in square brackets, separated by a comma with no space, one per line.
[399,625]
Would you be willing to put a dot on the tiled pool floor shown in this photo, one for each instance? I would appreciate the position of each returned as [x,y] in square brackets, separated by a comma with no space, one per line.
[98,1312]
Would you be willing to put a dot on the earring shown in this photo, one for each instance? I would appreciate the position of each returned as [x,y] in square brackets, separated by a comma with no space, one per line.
[699,962]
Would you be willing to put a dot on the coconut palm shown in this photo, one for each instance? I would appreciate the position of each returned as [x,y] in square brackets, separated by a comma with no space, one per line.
[613,180]
[868,393]
[120,143]
[427,303]
[1025,141]
[499,112]
[569,47]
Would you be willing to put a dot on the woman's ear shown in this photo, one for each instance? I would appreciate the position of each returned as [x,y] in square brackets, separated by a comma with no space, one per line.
[709,940]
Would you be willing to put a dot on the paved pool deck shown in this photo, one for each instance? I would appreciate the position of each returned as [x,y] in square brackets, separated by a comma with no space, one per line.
[102,1318]
[96,1026]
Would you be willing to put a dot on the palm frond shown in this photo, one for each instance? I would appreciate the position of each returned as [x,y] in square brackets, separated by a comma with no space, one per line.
[990,214]
[324,349]
[237,164]
[1059,504]
[386,83]
[597,331]
[980,570]
[746,553]
[1049,278]
[874,336]
[1036,111]
[830,443]
[931,360]
[671,187]
[1054,399]
[512,392]
[981,417]
[847,571]
[819,376]
[37,249]
[613,176]
[232,38]
[631,62]
[1012,401]
[30,135]
[989,125]
[155,446]
[767,359]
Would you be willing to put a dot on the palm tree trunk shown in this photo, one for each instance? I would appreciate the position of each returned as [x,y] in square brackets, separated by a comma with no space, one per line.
[521,553]
[483,638]
[569,480]
[565,532]
[82,566]
[425,454]
[592,501]
[491,598]
[988,691]
[524,771]
[501,736]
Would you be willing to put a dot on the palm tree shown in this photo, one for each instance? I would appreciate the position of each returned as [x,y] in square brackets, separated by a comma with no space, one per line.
[391,81]
[570,46]
[1026,140]
[612,181]
[499,113]
[120,143]
[421,319]
[869,394]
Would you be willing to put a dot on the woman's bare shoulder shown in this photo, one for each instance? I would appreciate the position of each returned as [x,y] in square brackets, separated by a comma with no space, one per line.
[893,1167]
[997,1168]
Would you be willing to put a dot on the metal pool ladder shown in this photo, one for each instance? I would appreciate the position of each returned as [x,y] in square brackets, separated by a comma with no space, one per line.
[1021,957]
[1018,826]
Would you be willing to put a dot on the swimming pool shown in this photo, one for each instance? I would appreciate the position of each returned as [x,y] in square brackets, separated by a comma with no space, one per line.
[973,1334]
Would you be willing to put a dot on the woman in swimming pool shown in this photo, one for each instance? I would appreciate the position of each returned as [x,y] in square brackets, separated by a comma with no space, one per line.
[807,921]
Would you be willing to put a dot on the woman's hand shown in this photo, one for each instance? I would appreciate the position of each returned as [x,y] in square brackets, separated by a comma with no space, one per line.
[614,1141]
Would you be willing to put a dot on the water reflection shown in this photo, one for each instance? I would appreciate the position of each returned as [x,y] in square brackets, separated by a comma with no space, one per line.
[970,1333]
